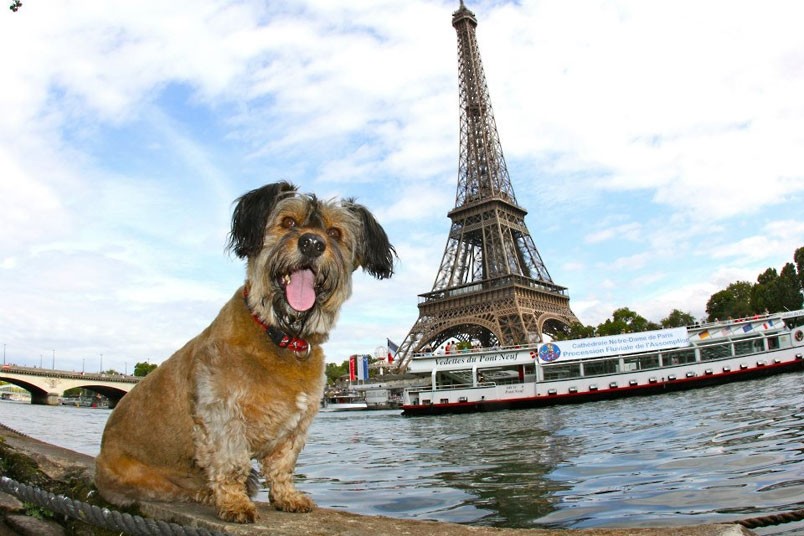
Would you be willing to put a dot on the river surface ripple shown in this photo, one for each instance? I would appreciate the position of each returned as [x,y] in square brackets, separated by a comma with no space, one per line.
[704,456]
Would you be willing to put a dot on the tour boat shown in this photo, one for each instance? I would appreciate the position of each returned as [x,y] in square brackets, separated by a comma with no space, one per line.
[581,370]
[343,401]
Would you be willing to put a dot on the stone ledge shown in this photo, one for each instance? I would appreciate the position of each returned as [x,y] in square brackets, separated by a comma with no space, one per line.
[58,463]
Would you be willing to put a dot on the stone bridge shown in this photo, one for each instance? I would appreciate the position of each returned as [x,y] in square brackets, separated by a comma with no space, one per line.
[47,385]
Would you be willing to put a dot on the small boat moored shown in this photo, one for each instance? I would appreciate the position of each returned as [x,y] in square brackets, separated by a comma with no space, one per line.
[343,401]
[582,370]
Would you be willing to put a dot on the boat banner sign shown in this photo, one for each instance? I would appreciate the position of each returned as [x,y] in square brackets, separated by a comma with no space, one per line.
[625,343]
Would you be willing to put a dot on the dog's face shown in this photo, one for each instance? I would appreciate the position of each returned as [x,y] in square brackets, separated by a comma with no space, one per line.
[301,253]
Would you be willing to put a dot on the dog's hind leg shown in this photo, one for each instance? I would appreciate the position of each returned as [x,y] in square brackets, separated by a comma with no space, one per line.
[123,480]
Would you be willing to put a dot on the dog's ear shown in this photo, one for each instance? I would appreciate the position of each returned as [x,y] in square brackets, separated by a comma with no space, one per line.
[374,252]
[251,215]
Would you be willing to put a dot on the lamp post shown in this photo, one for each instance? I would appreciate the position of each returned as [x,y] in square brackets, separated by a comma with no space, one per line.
[4,353]
[53,365]
[101,365]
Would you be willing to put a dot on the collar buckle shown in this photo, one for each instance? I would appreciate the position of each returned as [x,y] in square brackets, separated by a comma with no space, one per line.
[280,338]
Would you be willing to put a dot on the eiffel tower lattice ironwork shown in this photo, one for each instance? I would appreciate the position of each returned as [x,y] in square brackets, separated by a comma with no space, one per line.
[492,285]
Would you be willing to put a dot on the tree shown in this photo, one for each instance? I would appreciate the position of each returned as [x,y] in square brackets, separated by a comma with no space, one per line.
[576,330]
[798,257]
[624,320]
[790,289]
[334,371]
[765,292]
[677,319]
[143,369]
[732,302]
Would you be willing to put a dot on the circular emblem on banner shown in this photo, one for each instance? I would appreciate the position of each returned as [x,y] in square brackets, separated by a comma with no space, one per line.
[549,352]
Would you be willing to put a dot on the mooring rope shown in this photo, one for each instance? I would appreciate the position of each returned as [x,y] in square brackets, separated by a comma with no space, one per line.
[133,525]
[773,519]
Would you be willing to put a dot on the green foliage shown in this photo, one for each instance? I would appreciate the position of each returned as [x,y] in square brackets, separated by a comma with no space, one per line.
[777,292]
[774,291]
[334,371]
[576,330]
[732,302]
[798,258]
[143,369]
[677,319]
[624,320]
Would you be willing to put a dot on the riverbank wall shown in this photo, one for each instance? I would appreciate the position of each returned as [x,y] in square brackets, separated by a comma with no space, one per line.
[67,473]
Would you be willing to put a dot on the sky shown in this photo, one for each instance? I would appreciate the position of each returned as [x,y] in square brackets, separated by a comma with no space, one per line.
[657,147]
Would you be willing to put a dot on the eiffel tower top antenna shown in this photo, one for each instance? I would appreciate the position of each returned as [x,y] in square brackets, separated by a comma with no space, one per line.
[492,286]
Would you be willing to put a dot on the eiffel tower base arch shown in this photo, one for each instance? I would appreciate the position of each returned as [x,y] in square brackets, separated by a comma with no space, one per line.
[501,313]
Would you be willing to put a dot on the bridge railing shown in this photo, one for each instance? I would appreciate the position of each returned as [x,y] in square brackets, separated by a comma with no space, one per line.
[34,371]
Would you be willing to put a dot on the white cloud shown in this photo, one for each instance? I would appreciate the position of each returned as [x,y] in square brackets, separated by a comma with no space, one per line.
[657,143]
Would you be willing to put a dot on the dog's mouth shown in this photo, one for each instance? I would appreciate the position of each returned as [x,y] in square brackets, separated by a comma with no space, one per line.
[300,289]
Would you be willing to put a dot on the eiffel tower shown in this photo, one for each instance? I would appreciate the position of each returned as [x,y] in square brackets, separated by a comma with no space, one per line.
[492,285]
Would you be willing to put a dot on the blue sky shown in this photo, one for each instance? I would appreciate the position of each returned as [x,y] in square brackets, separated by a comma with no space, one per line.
[657,147]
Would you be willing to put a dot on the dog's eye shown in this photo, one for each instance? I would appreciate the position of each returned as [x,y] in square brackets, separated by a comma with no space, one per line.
[288,222]
[334,233]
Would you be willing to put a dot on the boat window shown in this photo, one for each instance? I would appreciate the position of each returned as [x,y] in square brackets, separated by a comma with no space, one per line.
[773,343]
[748,347]
[641,362]
[600,366]
[715,351]
[454,378]
[562,371]
[679,357]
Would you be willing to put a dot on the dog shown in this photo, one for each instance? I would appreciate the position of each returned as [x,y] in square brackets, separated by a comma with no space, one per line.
[249,385]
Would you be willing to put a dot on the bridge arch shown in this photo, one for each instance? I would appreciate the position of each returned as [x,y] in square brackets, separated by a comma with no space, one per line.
[47,386]
[38,395]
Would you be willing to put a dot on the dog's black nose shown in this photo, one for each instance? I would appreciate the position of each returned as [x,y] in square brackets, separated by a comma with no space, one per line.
[311,245]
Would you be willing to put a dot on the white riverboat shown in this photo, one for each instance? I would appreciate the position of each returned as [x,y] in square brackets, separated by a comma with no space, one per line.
[343,401]
[581,370]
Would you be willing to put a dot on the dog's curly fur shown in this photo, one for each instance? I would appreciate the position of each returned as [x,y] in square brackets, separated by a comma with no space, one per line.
[189,430]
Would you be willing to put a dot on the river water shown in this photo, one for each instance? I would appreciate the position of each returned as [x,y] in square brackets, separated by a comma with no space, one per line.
[703,456]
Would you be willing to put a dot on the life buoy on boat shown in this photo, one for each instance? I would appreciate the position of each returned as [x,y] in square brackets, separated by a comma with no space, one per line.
[799,335]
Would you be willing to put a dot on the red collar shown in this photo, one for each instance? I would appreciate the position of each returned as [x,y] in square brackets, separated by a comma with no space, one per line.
[279,337]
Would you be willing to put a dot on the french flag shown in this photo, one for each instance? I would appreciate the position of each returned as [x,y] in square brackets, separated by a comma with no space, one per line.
[392,350]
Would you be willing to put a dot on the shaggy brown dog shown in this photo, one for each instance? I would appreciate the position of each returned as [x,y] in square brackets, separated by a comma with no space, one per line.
[250,384]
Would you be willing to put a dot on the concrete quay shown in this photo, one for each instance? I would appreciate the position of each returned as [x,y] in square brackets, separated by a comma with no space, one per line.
[47,466]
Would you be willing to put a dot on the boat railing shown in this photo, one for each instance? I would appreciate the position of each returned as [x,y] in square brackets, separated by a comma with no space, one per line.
[451,387]
[480,350]
[745,319]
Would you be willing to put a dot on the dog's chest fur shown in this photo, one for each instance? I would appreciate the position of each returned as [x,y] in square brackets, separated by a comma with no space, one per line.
[251,387]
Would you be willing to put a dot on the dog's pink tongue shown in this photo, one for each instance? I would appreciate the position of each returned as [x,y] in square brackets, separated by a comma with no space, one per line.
[300,292]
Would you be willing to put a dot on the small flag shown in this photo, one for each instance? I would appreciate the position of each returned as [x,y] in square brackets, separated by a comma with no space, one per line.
[747,328]
[352,368]
[392,350]
[361,368]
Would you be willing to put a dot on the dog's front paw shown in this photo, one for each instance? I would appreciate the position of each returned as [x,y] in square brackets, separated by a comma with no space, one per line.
[242,511]
[295,502]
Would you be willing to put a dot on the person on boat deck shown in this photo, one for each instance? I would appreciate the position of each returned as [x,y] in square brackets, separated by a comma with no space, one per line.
[448,348]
